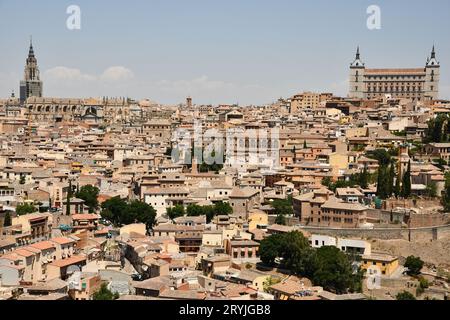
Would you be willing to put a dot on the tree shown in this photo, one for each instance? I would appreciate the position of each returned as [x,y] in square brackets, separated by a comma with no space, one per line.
[219,208]
[382,183]
[305,146]
[328,266]
[327,182]
[69,195]
[22,179]
[222,208]
[175,212]
[89,194]
[431,189]
[209,212]
[114,210]
[405,295]
[270,281]
[406,182]
[446,196]
[397,188]
[280,219]
[7,220]
[270,248]
[141,212]
[119,212]
[104,293]
[423,284]
[391,178]
[25,208]
[364,178]
[435,131]
[414,265]
[282,207]
[381,155]
[194,210]
[334,271]
[440,163]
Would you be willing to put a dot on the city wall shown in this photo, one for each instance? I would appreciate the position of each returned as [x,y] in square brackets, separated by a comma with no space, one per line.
[412,234]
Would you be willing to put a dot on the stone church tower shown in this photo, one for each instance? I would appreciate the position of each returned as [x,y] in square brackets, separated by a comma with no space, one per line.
[357,69]
[31,86]
[432,68]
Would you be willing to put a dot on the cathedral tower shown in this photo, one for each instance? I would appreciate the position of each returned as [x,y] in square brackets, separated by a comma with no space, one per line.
[31,85]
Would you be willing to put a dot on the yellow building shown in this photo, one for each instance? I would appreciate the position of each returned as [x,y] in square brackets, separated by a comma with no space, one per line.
[257,218]
[258,282]
[76,167]
[378,263]
[308,100]
[338,161]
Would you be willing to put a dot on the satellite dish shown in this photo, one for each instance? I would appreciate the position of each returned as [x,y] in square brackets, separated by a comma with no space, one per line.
[73,269]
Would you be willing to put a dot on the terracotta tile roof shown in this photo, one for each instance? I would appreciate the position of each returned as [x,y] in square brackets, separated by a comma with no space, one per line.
[69,261]
[43,245]
[62,240]
[85,216]
[10,256]
[396,71]
[24,253]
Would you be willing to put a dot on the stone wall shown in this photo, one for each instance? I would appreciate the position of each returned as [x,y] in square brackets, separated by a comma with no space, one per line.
[290,221]
[410,203]
[416,220]
[413,234]
[428,220]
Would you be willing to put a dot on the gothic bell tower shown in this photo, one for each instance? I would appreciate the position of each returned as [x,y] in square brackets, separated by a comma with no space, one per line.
[31,85]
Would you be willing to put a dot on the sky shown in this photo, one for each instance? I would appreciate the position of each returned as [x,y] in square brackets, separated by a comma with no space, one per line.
[234,51]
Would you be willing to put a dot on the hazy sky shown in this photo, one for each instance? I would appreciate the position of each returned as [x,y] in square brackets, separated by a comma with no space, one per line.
[245,51]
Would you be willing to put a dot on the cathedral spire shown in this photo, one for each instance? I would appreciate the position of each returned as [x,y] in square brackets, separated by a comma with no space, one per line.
[432,61]
[357,62]
[31,85]
[31,50]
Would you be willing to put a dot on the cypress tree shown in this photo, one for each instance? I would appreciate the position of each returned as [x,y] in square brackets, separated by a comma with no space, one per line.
[397,189]
[305,146]
[406,183]
[364,178]
[391,176]
[69,195]
[382,182]
[7,220]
